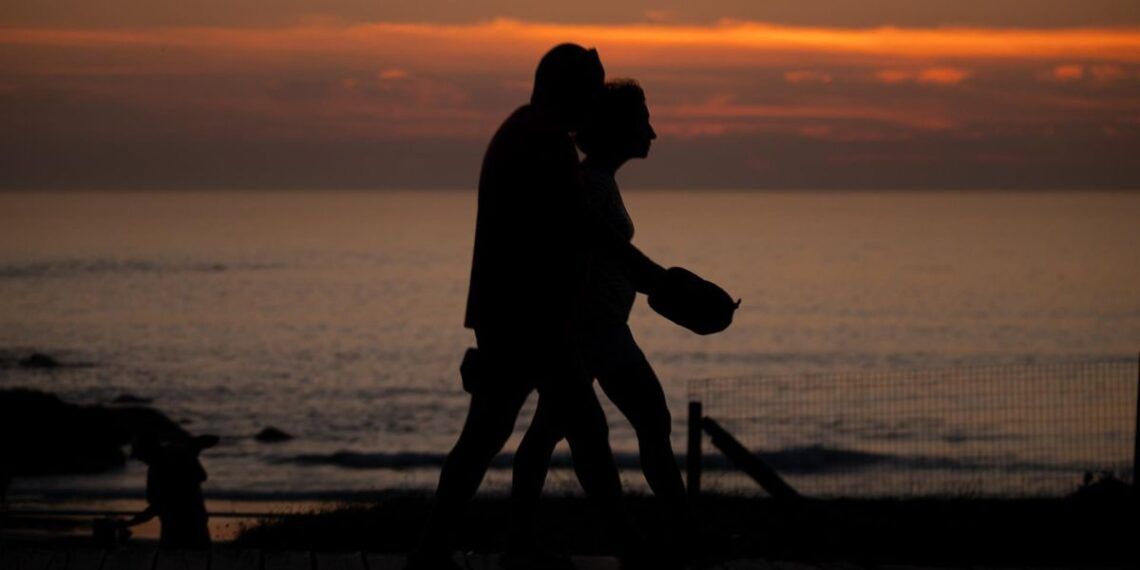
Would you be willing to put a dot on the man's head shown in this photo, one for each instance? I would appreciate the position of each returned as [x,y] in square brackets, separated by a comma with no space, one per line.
[568,80]
[618,129]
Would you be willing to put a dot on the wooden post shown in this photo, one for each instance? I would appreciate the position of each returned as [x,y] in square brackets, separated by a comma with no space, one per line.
[751,465]
[1136,434]
[693,457]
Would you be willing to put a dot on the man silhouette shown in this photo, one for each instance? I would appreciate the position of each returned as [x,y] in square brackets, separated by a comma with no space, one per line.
[534,234]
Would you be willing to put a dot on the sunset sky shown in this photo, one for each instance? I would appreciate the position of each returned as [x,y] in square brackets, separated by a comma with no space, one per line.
[781,94]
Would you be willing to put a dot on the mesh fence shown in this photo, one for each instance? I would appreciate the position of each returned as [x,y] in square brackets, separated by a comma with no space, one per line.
[1010,431]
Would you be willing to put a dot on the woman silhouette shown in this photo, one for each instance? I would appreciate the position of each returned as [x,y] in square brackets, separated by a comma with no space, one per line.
[617,131]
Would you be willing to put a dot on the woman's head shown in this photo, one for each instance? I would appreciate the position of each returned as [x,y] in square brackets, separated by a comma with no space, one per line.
[618,128]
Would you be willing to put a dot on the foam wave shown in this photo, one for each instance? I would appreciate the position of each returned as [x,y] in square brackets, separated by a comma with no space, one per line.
[807,460]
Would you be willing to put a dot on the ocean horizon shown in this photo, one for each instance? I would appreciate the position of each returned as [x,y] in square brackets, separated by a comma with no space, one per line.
[336,316]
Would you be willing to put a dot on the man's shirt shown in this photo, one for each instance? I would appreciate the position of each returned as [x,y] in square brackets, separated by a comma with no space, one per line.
[530,260]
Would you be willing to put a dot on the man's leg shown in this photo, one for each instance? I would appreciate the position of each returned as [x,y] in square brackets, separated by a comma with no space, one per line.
[532,461]
[490,421]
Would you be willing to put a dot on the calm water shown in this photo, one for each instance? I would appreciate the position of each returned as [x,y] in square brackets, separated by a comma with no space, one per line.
[336,316]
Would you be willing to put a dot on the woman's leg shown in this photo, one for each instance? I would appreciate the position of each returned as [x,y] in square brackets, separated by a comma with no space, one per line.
[568,409]
[574,408]
[629,381]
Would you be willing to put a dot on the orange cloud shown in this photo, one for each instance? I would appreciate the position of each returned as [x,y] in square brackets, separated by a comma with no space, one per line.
[875,157]
[942,75]
[893,75]
[935,75]
[724,108]
[828,133]
[1103,73]
[727,42]
[393,74]
[694,129]
[1066,73]
[660,15]
[1108,73]
[797,77]
[388,79]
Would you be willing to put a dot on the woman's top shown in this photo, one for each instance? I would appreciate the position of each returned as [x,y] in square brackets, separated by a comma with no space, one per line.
[610,290]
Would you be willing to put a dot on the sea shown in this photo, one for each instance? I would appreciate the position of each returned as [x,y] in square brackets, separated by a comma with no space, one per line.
[336,316]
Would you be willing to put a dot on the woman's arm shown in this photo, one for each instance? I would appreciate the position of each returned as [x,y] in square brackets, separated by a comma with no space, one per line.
[644,273]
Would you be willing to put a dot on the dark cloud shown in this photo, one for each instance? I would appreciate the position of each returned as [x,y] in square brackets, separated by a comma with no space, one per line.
[1075,157]
[237,164]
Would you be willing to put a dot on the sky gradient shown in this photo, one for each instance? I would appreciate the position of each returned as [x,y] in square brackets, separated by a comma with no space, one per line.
[780,95]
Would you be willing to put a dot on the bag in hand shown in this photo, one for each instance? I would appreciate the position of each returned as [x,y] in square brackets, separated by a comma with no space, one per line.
[698,305]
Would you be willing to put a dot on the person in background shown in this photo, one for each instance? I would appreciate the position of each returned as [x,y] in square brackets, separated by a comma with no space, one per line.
[174,480]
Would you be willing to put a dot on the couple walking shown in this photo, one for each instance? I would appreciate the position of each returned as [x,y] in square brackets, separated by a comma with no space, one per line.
[553,280]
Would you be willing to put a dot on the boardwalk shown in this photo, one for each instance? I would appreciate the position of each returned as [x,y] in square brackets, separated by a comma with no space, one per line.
[222,558]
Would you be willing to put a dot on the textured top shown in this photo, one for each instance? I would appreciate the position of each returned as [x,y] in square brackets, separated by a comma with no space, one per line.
[610,292]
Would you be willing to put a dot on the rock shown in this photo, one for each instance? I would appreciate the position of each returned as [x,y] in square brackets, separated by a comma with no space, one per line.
[43,435]
[131,399]
[272,435]
[38,360]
